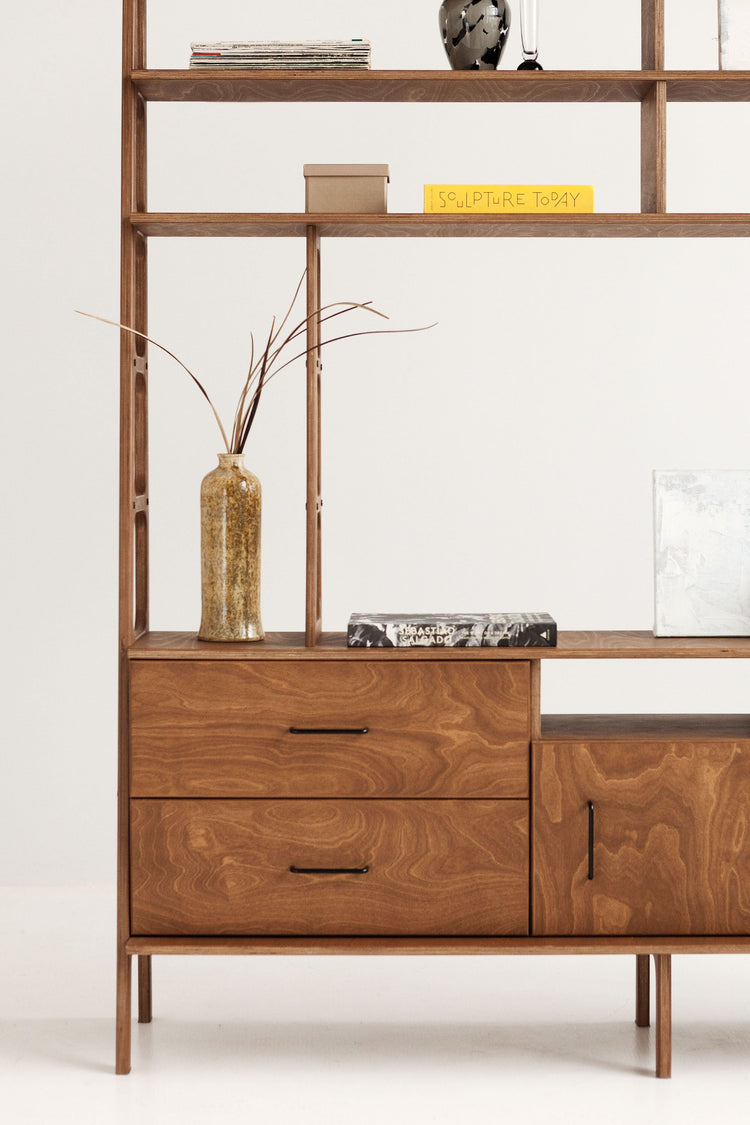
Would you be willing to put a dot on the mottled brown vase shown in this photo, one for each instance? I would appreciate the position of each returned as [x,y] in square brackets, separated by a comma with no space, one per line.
[230,552]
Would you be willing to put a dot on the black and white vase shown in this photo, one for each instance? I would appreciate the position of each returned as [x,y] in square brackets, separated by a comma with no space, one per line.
[474,32]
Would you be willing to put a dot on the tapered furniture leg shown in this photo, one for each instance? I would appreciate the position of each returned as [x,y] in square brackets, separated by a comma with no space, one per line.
[663,964]
[122,1050]
[144,988]
[642,990]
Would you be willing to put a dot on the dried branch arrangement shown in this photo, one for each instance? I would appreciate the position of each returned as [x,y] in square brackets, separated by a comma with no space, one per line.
[271,360]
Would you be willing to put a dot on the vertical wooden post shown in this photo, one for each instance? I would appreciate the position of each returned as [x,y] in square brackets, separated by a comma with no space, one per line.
[133,596]
[653,112]
[144,988]
[642,990]
[663,964]
[313,600]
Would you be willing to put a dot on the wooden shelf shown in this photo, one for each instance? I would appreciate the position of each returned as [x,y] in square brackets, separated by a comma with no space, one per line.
[659,728]
[437,86]
[283,225]
[425,946]
[582,645]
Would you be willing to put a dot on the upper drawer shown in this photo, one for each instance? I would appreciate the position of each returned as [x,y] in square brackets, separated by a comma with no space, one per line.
[230,728]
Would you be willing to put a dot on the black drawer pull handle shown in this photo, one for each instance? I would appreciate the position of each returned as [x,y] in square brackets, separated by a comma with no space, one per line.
[328,870]
[591,840]
[329,730]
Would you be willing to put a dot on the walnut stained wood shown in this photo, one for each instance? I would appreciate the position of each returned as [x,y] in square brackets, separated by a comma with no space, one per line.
[409,225]
[581,645]
[434,867]
[663,966]
[671,851]
[429,86]
[437,946]
[223,729]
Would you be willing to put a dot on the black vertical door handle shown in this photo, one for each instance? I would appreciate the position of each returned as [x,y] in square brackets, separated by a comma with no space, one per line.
[591,839]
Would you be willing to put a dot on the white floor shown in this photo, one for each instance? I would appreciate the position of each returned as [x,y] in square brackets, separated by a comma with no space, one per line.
[352,1041]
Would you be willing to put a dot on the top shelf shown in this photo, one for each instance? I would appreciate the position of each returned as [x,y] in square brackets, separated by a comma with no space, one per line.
[438,86]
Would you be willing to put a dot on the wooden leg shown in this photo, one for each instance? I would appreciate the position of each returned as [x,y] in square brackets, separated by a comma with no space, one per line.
[122,1051]
[144,988]
[642,990]
[663,963]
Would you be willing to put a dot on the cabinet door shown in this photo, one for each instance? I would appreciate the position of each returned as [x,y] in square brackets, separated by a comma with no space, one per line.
[641,838]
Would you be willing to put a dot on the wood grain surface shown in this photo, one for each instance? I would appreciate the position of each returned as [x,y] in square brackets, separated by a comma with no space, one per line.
[601,644]
[434,867]
[222,729]
[233,85]
[427,86]
[416,225]
[522,946]
[671,848]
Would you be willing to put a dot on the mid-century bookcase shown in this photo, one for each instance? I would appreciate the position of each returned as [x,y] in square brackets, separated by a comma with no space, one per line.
[295,796]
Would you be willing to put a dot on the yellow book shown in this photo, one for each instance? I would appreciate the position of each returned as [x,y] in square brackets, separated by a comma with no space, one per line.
[508,199]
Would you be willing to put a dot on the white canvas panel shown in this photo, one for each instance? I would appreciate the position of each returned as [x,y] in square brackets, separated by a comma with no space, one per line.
[734,34]
[702,553]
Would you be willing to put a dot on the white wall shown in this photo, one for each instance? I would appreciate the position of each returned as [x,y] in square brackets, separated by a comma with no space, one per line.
[500,461]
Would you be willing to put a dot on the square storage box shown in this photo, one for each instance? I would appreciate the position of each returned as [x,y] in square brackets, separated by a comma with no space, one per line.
[354,188]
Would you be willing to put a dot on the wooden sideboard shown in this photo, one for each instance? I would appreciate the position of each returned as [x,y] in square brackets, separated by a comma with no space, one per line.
[284,798]
[296,796]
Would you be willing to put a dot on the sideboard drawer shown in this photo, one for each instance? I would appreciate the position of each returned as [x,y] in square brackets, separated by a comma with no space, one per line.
[432,867]
[335,728]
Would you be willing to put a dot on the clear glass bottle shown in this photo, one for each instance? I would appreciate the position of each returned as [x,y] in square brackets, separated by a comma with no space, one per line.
[530,34]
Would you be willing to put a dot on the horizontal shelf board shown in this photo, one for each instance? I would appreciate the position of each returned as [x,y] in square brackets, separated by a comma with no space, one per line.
[236,85]
[620,728]
[571,645]
[414,946]
[233,85]
[285,225]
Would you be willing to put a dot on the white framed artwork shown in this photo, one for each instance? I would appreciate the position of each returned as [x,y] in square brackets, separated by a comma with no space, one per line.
[734,34]
[702,553]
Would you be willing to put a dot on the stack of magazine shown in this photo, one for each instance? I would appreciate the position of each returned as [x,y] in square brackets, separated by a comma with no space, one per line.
[317,54]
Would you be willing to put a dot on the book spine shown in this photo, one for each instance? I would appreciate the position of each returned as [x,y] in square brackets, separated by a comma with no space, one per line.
[508,199]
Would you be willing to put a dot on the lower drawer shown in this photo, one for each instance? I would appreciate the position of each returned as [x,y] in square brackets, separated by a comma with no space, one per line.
[439,867]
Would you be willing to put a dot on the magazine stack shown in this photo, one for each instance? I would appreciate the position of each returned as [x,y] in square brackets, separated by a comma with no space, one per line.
[317,54]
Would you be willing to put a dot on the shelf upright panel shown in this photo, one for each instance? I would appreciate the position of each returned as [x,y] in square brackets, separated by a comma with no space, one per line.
[313,584]
[133,594]
[653,112]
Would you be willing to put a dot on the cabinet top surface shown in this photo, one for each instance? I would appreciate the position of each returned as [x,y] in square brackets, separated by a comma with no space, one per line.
[612,644]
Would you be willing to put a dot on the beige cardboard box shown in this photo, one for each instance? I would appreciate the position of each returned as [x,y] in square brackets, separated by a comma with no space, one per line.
[358,188]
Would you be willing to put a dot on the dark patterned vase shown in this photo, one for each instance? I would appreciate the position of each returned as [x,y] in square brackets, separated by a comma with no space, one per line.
[474,32]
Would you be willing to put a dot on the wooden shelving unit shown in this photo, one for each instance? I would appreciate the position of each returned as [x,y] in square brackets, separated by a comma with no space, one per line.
[199,794]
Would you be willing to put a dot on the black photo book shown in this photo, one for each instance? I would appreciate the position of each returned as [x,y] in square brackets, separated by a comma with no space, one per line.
[451,630]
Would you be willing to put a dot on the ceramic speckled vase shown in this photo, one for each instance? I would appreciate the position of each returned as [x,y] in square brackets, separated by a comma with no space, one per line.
[474,32]
[230,552]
